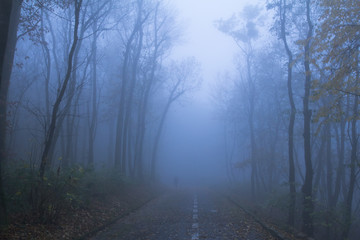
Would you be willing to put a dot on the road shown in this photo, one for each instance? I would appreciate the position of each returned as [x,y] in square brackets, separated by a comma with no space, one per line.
[186,215]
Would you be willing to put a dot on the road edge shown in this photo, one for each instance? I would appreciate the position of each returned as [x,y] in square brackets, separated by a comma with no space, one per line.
[273,232]
[115,219]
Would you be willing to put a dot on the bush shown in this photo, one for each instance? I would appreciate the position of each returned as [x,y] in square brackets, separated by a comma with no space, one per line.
[44,200]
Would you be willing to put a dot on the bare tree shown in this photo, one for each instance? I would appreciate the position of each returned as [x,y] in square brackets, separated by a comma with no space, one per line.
[161,34]
[282,7]
[184,77]
[62,89]
[308,204]
[244,35]
[9,20]
[130,63]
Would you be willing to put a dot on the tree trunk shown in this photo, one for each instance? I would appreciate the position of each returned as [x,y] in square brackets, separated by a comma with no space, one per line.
[157,140]
[329,177]
[354,160]
[54,115]
[329,167]
[47,58]
[292,187]
[93,119]
[71,92]
[144,103]
[254,171]
[111,144]
[319,164]
[171,99]
[129,106]
[9,20]
[119,162]
[308,204]
[341,156]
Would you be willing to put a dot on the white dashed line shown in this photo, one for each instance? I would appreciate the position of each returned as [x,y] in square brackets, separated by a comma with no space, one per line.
[195,225]
[195,236]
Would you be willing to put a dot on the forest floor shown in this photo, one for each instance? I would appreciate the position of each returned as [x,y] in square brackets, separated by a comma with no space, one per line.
[82,222]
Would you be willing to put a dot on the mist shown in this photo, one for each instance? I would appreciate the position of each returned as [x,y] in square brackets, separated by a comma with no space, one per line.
[117,103]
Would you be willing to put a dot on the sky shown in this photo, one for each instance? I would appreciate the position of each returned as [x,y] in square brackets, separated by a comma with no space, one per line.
[213,49]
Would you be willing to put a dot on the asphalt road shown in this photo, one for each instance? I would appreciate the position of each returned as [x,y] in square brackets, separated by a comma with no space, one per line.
[186,214]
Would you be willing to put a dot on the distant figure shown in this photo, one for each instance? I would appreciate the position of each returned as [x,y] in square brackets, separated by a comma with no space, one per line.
[176,182]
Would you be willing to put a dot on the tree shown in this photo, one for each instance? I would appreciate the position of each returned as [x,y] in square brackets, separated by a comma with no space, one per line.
[161,35]
[133,77]
[308,204]
[59,98]
[126,78]
[282,7]
[337,48]
[183,77]
[244,35]
[9,20]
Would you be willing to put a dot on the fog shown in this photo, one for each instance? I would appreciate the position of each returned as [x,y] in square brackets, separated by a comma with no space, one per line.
[192,147]
[193,142]
[258,98]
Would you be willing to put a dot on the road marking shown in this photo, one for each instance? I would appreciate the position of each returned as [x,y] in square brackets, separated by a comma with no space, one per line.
[195,225]
[195,236]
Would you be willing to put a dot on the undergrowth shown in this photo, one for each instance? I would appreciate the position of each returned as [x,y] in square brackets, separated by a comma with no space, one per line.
[43,200]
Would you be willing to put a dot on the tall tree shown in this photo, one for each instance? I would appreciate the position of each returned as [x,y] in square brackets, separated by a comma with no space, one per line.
[9,21]
[337,47]
[62,89]
[182,79]
[120,140]
[99,12]
[161,36]
[244,36]
[282,7]
[138,48]
[308,204]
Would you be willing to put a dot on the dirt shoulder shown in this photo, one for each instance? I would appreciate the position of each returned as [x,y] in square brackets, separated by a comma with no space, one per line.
[82,222]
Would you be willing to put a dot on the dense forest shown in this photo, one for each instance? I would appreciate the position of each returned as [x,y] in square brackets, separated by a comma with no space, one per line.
[87,87]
